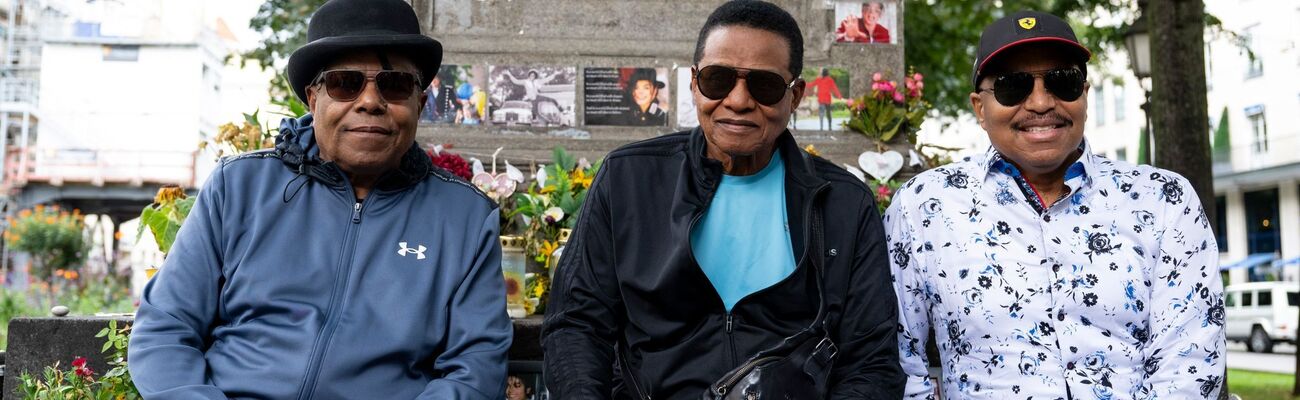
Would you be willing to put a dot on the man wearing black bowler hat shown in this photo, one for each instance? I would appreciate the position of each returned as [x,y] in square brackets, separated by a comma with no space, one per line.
[1047,271]
[341,264]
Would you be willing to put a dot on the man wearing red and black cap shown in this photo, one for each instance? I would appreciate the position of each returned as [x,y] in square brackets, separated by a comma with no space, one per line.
[1047,271]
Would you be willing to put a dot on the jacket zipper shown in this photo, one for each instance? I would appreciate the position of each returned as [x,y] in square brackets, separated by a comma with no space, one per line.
[331,319]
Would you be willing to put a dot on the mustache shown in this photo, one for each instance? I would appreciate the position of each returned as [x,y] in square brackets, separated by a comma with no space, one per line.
[1051,118]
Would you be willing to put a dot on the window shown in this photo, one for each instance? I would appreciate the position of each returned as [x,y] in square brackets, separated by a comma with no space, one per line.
[1258,128]
[1121,154]
[1254,64]
[1119,103]
[1099,93]
[1262,225]
[121,52]
[1247,299]
[1293,298]
[1231,300]
[1266,298]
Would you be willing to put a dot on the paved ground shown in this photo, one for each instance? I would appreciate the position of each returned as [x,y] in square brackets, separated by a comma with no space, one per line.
[1282,360]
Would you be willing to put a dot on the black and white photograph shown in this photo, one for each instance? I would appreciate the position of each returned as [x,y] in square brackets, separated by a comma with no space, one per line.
[541,96]
[686,114]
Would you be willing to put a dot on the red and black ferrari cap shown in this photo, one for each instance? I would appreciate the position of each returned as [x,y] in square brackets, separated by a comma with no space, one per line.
[1024,27]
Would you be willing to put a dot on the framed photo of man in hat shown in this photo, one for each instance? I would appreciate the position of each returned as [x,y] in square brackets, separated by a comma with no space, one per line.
[626,96]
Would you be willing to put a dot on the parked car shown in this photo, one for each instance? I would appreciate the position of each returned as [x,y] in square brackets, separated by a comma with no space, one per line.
[1262,313]
[514,112]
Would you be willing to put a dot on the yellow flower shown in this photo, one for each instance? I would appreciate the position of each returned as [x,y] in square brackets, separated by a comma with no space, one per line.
[812,150]
[580,178]
[169,194]
[539,287]
[547,189]
[548,247]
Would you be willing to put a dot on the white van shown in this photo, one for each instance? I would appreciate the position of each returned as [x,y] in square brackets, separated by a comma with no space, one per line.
[1262,313]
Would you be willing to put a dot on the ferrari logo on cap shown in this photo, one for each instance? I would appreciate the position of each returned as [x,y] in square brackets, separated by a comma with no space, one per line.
[1028,23]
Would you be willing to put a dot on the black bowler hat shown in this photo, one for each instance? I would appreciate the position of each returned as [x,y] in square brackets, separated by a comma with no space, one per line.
[1026,27]
[341,26]
[645,74]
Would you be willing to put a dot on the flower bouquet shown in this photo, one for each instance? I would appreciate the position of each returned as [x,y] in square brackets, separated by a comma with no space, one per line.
[889,110]
[551,205]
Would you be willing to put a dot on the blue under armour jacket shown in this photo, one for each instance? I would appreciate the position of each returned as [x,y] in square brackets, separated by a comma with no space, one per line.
[282,286]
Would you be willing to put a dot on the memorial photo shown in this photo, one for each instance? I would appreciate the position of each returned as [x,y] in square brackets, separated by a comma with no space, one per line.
[625,96]
[524,381]
[823,107]
[458,95]
[686,114]
[866,22]
[532,96]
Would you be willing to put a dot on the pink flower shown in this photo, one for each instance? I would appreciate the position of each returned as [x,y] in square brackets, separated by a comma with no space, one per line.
[876,77]
[848,103]
[917,76]
[883,192]
[898,97]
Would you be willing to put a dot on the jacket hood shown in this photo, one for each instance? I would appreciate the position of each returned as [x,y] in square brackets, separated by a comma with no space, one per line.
[295,145]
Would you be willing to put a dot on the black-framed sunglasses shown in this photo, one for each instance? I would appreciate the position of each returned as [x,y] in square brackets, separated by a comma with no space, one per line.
[767,88]
[1013,88]
[347,84]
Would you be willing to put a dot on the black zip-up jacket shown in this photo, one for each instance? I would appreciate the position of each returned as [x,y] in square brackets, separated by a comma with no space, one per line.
[629,284]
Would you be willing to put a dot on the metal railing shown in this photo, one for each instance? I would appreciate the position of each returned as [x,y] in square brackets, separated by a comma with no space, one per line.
[98,167]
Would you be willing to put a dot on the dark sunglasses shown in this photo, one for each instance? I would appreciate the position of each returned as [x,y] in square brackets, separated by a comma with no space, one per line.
[767,88]
[346,84]
[1013,88]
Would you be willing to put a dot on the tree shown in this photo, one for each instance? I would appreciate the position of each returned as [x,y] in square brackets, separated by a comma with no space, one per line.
[284,26]
[944,34]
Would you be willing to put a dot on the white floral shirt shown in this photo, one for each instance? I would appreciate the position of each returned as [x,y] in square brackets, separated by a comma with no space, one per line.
[1111,292]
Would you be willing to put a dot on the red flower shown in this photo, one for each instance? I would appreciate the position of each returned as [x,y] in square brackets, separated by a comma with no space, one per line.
[80,368]
[451,162]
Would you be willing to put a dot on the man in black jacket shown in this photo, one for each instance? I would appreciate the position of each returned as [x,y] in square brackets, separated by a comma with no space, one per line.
[693,251]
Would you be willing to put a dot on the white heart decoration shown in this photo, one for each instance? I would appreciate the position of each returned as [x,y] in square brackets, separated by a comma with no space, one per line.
[881,166]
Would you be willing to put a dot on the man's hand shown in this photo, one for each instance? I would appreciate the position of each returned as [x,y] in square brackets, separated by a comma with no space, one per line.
[851,28]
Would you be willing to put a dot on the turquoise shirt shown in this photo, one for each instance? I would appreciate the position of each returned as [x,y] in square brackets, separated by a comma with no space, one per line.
[743,241]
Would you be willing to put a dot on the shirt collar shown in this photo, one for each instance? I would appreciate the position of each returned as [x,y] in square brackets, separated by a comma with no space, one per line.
[1085,166]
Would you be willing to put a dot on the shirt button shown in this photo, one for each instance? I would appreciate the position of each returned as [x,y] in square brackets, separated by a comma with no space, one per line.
[1047,218]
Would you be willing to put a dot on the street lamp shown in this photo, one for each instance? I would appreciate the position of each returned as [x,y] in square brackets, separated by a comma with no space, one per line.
[1137,41]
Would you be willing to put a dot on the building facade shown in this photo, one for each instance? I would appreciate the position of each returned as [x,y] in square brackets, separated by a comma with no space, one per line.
[1253,81]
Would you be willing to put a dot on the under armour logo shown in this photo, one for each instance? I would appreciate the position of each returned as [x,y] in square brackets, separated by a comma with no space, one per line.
[419,252]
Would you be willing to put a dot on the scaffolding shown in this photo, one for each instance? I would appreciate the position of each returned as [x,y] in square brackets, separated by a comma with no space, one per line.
[25,24]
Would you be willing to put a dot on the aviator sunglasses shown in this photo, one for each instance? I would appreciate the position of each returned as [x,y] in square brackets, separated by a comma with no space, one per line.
[346,85]
[1013,88]
[767,88]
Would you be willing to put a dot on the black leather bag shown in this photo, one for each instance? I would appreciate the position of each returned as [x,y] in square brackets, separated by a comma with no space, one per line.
[798,367]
